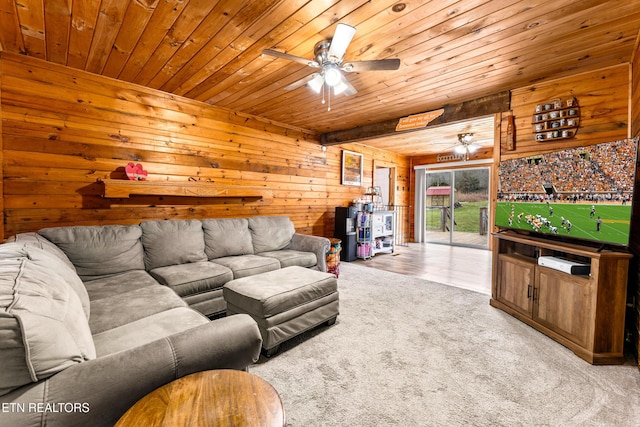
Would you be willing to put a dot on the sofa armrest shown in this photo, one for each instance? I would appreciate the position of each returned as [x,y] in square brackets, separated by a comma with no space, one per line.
[318,245]
[99,392]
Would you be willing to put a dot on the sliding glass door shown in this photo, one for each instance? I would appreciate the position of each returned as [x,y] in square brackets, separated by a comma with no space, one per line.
[457,206]
[438,207]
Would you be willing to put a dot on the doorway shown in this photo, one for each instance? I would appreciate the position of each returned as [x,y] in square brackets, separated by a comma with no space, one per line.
[381,180]
[384,177]
[457,206]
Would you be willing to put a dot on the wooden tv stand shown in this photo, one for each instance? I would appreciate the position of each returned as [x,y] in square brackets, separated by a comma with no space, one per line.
[582,312]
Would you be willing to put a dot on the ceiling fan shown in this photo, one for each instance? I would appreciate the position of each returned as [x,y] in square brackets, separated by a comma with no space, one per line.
[328,57]
[466,145]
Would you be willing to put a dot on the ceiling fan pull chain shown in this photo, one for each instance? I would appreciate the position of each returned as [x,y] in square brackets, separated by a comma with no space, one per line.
[323,86]
[329,96]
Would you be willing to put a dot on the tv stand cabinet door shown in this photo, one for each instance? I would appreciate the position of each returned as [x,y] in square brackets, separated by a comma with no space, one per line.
[515,283]
[562,303]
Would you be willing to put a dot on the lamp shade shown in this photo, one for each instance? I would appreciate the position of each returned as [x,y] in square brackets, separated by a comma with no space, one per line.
[472,147]
[316,83]
[340,87]
[460,149]
[332,75]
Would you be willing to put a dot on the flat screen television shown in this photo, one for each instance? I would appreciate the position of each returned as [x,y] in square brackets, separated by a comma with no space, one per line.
[582,193]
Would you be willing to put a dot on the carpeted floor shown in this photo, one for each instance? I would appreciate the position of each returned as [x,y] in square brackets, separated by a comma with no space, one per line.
[407,352]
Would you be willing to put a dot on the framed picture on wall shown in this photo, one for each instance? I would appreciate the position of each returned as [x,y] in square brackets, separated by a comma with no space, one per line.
[352,166]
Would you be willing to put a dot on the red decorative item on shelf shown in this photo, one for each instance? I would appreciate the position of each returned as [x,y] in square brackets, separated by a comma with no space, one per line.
[135,172]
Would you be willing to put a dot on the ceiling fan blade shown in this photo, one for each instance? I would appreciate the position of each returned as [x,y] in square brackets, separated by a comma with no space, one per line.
[341,39]
[309,62]
[298,83]
[373,65]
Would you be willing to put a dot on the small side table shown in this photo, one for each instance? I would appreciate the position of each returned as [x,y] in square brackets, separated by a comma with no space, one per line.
[209,398]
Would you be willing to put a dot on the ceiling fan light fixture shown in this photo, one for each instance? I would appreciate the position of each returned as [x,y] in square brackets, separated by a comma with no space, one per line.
[328,55]
[332,75]
[316,83]
[340,87]
[465,146]
[465,138]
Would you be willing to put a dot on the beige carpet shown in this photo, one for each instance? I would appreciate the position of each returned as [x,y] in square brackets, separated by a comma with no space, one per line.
[407,352]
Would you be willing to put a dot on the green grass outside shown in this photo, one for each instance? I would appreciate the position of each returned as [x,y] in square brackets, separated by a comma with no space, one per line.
[467,217]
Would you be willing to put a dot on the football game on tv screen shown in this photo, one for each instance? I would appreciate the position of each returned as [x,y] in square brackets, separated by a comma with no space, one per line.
[579,193]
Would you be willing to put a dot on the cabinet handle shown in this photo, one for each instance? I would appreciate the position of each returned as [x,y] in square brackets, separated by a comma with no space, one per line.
[534,293]
[528,291]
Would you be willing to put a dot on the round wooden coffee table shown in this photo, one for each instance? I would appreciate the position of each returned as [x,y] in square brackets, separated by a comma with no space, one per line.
[209,398]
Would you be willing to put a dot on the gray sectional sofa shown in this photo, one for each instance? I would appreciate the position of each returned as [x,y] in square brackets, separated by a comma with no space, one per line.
[92,318]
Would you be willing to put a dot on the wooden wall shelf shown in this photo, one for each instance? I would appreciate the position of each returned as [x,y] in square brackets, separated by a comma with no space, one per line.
[120,188]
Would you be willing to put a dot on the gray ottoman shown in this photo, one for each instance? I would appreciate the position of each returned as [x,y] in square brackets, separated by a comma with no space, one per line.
[284,302]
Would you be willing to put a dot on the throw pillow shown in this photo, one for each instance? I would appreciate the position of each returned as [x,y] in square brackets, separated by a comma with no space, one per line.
[227,237]
[172,242]
[99,250]
[271,233]
[38,241]
[53,263]
[43,328]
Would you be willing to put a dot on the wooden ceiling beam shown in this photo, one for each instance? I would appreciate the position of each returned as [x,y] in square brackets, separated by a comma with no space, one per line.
[496,103]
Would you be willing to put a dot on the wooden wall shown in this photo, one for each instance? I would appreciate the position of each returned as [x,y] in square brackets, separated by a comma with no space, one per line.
[341,195]
[603,97]
[64,129]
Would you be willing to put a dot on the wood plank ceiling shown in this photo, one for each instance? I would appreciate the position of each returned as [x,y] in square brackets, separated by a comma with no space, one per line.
[450,50]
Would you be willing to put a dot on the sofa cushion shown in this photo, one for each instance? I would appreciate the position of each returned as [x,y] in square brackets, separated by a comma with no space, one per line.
[117,284]
[171,242]
[99,250]
[194,278]
[52,262]
[117,310]
[289,257]
[248,265]
[270,233]
[209,303]
[227,237]
[147,329]
[43,326]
